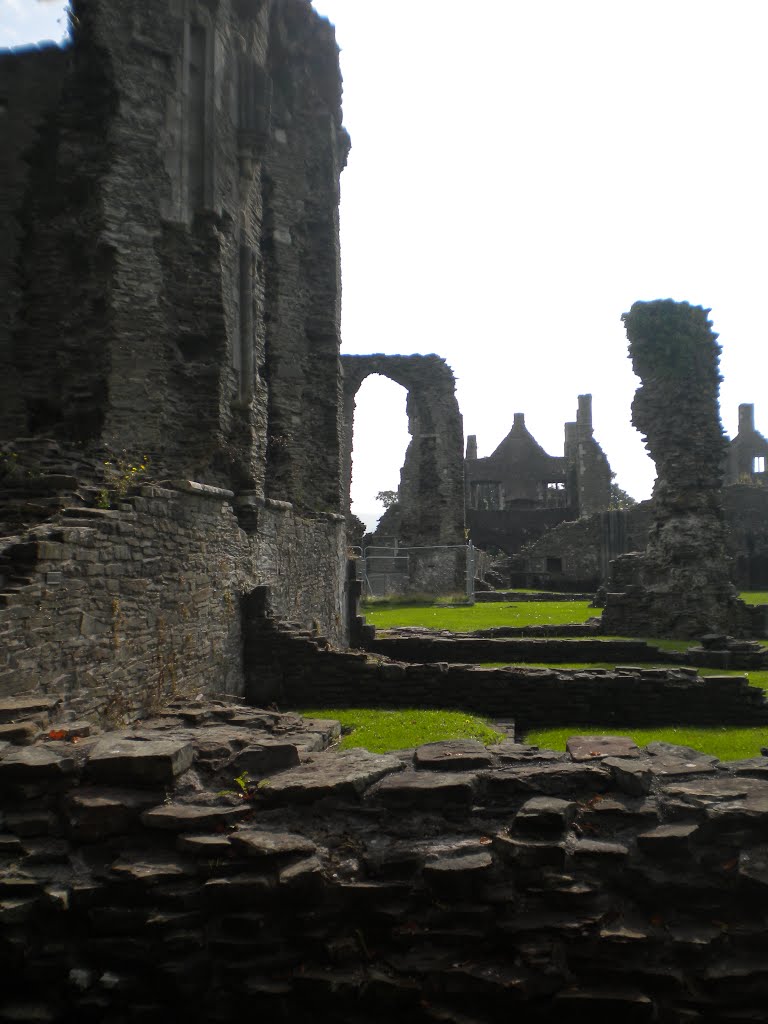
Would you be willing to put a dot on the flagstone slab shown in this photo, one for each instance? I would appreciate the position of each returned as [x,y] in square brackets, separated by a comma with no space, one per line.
[344,775]
[140,759]
[589,748]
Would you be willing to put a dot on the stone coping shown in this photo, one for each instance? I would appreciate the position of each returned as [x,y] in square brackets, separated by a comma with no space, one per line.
[202,490]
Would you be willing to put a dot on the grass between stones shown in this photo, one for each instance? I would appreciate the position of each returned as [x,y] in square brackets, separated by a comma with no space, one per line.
[380,730]
[730,744]
[392,730]
[755,678]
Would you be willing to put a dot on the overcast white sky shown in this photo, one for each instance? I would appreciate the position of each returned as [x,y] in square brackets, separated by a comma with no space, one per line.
[521,172]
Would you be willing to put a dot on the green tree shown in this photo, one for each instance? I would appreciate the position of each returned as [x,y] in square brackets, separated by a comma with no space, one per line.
[387,498]
[620,498]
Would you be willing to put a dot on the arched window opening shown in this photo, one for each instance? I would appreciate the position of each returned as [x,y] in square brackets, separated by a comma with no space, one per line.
[379,441]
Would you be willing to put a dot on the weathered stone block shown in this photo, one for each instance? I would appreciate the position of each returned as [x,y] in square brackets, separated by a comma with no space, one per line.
[588,748]
[452,754]
[345,775]
[95,813]
[458,875]
[547,778]
[599,852]
[16,709]
[264,758]
[20,733]
[174,817]
[270,845]
[630,776]
[33,764]
[238,891]
[672,840]
[545,816]
[421,790]
[135,759]
[530,853]
[152,870]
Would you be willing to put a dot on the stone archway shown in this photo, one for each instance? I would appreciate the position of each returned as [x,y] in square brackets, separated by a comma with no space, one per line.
[432,477]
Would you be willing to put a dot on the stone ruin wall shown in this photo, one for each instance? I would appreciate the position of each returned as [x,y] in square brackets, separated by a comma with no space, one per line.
[429,514]
[178,286]
[589,472]
[170,193]
[452,882]
[120,611]
[431,492]
[680,585]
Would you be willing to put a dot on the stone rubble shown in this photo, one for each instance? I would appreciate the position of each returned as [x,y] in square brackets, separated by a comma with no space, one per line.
[145,876]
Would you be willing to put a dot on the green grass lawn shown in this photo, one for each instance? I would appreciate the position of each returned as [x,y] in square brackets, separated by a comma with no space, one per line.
[466,618]
[380,730]
[730,744]
[754,596]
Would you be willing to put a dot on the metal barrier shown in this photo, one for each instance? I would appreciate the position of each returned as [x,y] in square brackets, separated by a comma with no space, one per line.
[388,569]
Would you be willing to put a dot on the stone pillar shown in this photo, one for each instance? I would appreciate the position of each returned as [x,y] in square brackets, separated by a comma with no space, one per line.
[681,585]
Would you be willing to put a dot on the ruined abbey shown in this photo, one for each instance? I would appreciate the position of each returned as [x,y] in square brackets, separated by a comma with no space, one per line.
[176,841]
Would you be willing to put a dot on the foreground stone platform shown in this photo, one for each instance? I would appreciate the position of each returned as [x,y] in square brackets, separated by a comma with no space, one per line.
[146,876]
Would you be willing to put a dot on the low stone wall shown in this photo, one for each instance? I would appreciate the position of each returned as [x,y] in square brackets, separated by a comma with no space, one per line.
[425,648]
[292,670]
[141,882]
[120,609]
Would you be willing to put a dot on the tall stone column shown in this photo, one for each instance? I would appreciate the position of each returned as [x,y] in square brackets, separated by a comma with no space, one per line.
[680,586]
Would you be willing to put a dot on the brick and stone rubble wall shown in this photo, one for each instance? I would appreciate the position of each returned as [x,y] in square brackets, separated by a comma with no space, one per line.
[119,610]
[140,882]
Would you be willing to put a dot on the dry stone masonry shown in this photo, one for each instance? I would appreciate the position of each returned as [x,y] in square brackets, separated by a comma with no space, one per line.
[218,863]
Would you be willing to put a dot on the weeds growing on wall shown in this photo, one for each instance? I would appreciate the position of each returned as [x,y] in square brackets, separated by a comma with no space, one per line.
[120,474]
